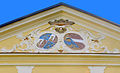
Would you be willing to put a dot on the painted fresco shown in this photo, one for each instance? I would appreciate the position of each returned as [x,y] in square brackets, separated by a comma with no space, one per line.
[74,41]
[47,41]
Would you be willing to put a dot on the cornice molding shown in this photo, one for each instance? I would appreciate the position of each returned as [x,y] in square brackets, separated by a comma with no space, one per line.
[56,64]
[57,13]
[59,60]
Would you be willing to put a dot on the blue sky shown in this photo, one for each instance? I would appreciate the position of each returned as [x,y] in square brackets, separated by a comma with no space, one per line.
[12,9]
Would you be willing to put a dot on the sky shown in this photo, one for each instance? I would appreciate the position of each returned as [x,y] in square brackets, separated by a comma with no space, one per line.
[12,9]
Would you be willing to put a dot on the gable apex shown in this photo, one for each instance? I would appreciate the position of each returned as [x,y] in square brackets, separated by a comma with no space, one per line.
[54,6]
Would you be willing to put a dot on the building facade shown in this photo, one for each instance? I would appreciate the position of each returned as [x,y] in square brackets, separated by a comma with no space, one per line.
[60,39]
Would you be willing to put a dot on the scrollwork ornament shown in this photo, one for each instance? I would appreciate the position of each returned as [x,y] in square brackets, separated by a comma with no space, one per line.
[93,43]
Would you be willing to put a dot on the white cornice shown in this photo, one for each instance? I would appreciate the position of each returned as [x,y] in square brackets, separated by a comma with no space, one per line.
[55,11]
[58,64]
[69,10]
[60,59]
[41,15]
[61,54]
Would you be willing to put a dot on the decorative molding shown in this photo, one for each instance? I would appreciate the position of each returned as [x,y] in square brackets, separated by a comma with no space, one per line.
[24,69]
[96,69]
[54,59]
[57,64]
[92,42]
[50,59]
[64,9]
[87,17]
[61,22]
[74,12]
[65,54]
[41,15]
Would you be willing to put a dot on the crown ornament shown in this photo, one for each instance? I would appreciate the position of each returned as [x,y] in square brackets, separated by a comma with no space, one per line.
[60,25]
[61,22]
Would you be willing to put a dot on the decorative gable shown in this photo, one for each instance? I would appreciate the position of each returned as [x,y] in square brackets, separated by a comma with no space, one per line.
[60,39]
[60,30]
[61,36]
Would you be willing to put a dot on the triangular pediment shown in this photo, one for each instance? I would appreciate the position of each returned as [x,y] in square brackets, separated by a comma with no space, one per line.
[60,29]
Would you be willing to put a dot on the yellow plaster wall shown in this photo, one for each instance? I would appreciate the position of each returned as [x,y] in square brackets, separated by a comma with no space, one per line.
[72,69]
[108,41]
[9,42]
[12,41]
[8,69]
[112,69]
[59,69]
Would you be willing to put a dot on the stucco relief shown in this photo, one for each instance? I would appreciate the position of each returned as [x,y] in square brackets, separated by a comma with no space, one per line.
[61,37]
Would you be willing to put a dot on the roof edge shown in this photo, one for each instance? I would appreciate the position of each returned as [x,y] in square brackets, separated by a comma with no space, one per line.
[51,7]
